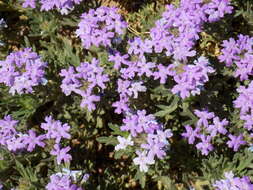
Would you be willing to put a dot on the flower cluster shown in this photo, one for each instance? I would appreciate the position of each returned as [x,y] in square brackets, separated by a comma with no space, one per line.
[64,6]
[56,130]
[22,70]
[192,78]
[126,90]
[232,182]
[149,138]
[240,53]
[177,30]
[83,80]
[208,127]
[61,182]
[175,34]
[14,140]
[245,103]
[100,26]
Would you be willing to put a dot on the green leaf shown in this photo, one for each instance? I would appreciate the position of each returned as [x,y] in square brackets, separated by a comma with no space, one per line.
[166,110]
[141,177]
[108,140]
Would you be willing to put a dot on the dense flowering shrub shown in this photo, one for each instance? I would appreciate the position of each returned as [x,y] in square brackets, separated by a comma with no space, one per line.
[156,101]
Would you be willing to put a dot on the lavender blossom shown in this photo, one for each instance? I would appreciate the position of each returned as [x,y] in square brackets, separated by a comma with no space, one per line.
[192,78]
[150,139]
[217,127]
[21,71]
[64,6]
[232,182]
[143,160]
[137,123]
[61,182]
[216,9]
[191,134]
[29,3]
[55,129]
[204,116]
[82,80]
[31,140]
[154,147]
[245,99]
[137,87]
[205,146]
[177,31]
[240,53]
[124,142]
[61,154]
[7,129]
[235,142]
[98,27]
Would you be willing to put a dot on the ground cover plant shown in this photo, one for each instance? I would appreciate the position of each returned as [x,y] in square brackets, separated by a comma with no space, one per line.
[114,94]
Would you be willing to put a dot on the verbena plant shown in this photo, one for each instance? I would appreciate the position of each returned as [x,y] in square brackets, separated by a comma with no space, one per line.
[126,94]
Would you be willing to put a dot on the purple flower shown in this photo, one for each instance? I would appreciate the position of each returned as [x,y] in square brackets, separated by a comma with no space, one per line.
[124,142]
[240,53]
[100,26]
[143,160]
[192,78]
[218,126]
[118,59]
[82,80]
[205,146]
[191,134]
[229,52]
[22,70]
[216,9]
[245,99]
[29,3]
[146,68]
[55,129]
[89,102]
[154,147]
[131,124]
[163,73]
[204,116]
[138,47]
[233,183]
[235,142]
[164,135]
[61,182]
[248,118]
[122,105]
[7,129]
[64,6]
[137,87]
[31,140]
[61,154]
[16,143]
